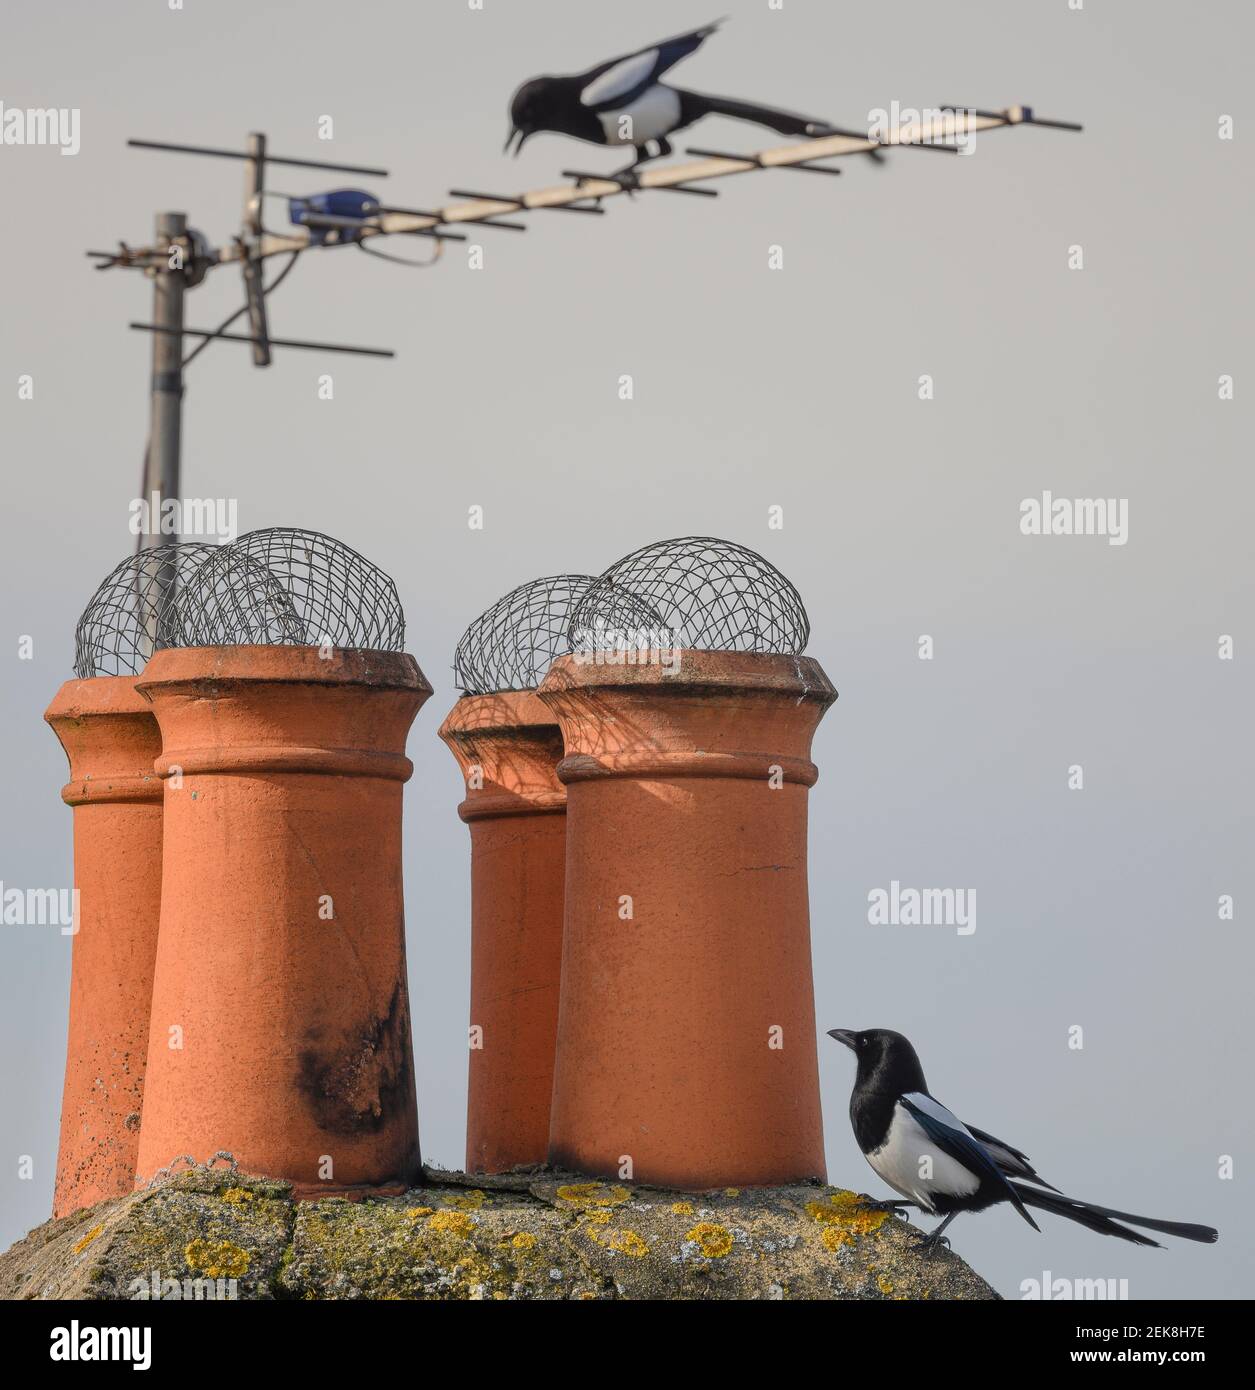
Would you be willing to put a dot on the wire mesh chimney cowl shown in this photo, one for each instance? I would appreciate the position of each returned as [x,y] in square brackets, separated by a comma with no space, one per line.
[131,614]
[512,644]
[705,594]
[283,586]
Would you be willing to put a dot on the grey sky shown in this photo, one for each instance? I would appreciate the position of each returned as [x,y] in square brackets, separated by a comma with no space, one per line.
[753,388]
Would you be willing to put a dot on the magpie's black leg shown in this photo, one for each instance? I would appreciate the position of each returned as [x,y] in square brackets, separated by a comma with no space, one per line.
[664,147]
[627,175]
[932,1243]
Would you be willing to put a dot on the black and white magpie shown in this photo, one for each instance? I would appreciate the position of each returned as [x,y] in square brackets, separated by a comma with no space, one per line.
[622,102]
[943,1166]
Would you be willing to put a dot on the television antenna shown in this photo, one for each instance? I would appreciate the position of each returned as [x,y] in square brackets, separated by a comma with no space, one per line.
[180,258]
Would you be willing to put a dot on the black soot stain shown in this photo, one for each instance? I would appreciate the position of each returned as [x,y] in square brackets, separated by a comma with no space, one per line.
[361,1086]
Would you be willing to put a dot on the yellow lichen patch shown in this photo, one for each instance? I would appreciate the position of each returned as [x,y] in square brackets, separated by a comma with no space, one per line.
[523,1241]
[218,1259]
[415,1212]
[626,1243]
[467,1201]
[596,1218]
[475,1273]
[835,1237]
[731,1191]
[87,1239]
[845,1210]
[682,1208]
[456,1223]
[883,1284]
[714,1241]
[593,1194]
[238,1196]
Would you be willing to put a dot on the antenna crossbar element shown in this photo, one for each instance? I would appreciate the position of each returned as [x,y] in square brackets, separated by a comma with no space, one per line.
[127,258]
[1020,115]
[408,212]
[518,204]
[273,342]
[685,188]
[628,182]
[270,158]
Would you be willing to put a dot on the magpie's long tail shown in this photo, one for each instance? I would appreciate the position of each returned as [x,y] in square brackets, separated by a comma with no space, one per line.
[1107,1221]
[694,105]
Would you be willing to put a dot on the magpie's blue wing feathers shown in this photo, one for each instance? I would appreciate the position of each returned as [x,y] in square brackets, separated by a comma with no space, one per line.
[1012,1161]
[622,80]
[964,1149]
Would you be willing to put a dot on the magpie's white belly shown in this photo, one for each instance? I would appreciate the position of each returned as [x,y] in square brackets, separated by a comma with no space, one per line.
[900,1162]
[649,117]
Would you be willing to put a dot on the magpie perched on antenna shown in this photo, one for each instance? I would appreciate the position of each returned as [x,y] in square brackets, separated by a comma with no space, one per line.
[943,1166]
[623,102]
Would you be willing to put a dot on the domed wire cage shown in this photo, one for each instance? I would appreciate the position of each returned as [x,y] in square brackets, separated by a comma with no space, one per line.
[236,601]
[511,645]
[288,587]
[709,594]
[132,612]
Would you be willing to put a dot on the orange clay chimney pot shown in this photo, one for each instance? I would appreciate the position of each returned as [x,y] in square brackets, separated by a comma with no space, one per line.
[508,747]
[686,1030]
[280,1018]
[111,739]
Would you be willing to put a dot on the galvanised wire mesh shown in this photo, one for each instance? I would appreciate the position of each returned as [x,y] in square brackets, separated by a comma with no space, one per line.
[511,645]
[283,586]
[711,595]
[132,612]
[236,601]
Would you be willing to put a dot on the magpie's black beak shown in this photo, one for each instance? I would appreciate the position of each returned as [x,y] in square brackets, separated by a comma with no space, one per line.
[842,1035]
[522,136]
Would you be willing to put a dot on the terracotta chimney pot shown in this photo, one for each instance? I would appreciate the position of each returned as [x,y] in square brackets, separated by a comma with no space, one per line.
[110,738]
[280,1018]
[686,1033]
[508,747]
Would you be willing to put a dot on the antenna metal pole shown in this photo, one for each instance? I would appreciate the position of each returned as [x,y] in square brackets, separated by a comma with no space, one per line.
[161,467]
[161,471]
[254,187]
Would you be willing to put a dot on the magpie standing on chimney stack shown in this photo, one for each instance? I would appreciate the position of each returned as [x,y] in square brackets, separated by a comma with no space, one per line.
[943,1166]
[623,102]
